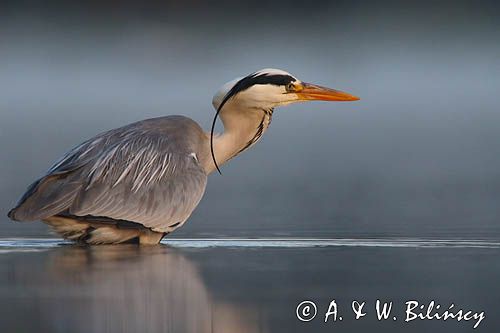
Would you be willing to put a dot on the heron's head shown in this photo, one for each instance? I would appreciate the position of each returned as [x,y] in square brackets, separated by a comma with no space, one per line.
[269,88]
[264,90]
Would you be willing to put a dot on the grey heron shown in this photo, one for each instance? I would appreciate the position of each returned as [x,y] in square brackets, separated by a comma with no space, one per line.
[141,181]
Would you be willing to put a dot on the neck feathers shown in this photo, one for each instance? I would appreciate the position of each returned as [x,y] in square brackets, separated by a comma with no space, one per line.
[242,129]
[265,121]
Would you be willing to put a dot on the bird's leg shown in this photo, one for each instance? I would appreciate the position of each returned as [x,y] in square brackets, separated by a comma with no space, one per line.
[148,237]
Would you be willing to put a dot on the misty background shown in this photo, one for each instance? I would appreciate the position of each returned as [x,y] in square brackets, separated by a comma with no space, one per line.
[418,156]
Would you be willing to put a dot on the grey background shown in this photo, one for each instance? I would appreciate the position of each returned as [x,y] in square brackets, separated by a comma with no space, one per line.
[416,157]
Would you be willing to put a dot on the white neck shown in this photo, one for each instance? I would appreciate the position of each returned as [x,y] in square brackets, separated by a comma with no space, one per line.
[242,128]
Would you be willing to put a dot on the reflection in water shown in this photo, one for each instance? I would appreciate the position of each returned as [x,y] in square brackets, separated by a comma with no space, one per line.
[125,289]
[129,288]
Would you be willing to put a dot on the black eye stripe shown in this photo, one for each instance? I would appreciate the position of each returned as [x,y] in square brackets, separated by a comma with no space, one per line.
[278,80]
[264,78]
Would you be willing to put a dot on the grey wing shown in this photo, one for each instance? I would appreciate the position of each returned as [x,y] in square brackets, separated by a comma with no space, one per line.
[135,174]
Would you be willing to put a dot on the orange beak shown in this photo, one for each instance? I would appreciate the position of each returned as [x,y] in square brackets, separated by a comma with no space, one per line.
[309,92]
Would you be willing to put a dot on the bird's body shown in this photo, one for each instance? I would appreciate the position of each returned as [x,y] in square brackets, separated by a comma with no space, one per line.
[124,175]
[142,181]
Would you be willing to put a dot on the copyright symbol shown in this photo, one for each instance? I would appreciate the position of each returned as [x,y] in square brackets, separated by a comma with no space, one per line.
[306,311]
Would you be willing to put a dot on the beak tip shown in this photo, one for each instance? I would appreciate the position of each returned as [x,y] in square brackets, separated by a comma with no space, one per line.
[349,98]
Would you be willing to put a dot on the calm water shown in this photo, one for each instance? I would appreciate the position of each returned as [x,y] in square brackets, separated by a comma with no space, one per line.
[242,285]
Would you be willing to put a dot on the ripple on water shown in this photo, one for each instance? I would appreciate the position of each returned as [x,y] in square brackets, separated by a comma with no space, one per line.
[40,244]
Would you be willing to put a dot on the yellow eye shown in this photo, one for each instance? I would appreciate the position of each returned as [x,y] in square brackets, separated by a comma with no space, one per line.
[290,87]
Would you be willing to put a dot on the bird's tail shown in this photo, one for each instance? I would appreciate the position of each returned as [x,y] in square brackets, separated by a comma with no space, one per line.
[46,197]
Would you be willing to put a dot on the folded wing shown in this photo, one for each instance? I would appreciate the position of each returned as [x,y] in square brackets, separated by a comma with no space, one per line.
[144,173]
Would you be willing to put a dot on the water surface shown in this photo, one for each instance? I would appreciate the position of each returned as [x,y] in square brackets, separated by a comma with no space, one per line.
[241,285]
